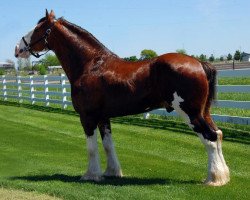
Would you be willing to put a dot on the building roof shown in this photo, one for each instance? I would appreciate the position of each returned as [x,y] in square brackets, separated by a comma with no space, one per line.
[245,54]
[6,65]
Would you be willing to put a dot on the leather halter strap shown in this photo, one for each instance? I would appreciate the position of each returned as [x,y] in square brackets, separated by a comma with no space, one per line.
[44,37]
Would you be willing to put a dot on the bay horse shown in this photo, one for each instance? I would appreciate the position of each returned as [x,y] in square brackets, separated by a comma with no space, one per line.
[105,86]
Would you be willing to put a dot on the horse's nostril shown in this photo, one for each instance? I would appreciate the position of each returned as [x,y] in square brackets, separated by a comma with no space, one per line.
[16,55]
[21,51]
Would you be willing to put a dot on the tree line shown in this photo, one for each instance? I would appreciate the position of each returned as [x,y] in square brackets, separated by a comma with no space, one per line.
[51,60]
[148,54]
[41,66]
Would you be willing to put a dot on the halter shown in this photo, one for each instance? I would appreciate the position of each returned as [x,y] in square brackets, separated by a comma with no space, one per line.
[44,37]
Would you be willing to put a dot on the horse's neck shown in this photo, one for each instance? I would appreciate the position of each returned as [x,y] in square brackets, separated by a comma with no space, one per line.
[75,48]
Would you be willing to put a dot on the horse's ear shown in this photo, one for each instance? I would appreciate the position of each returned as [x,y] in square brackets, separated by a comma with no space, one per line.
[52,14]
[47,14]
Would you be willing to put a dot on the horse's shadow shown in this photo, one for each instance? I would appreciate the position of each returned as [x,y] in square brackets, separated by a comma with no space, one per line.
[106,180]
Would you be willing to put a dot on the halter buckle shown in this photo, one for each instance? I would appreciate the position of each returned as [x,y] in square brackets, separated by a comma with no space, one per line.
[48,31]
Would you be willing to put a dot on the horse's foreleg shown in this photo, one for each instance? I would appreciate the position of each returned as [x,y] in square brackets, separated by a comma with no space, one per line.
[113,165]
[94,172]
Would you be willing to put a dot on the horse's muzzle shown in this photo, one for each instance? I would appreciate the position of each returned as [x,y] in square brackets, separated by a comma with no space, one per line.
[16,51]
[21,53]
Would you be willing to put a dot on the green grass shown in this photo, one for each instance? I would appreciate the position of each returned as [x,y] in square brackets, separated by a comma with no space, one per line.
[45,152]
[235,96]
[6,194]
[234,81]
[231,111]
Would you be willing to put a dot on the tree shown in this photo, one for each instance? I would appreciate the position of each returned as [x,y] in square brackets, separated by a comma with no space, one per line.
[237,55]
[195,56]
[10,61]
[131,58]
[27,63]
[203,57]
[181,51]
[50,60]
[229,57]
[147,54]
[221,58]
[24,63]
[42,70]
[1,72]
[19,63]
[211,58]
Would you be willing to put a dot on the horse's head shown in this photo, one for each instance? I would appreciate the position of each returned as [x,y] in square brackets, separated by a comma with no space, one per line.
[36,40]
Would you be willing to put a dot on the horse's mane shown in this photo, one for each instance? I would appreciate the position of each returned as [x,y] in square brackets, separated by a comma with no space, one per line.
[82,33]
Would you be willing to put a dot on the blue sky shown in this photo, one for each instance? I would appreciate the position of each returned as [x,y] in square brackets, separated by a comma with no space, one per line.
[126,27]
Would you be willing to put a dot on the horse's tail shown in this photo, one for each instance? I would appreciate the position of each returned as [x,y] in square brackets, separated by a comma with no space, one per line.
[211,73]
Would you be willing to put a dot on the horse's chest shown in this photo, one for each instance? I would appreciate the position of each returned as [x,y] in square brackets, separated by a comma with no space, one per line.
[85,98]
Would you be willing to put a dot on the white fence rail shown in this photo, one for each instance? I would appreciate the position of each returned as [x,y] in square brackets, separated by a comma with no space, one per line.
[46,89]
[56,90]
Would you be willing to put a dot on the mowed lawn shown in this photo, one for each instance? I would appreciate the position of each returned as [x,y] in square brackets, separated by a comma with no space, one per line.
[45,152]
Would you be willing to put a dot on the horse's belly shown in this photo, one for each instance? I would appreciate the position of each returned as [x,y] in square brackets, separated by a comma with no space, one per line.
[131,108]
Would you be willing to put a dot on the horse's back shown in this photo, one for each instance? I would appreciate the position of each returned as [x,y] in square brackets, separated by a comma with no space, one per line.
[180,61]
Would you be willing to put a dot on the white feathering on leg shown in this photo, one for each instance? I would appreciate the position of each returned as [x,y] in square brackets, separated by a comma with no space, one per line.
[94,169]
[113,165]
[218,172]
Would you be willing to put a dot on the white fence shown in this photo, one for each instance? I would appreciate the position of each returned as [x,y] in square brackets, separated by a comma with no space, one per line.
[56,90]
[46,89]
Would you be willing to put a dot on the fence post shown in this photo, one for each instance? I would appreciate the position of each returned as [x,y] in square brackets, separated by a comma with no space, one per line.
[19,89]
[64,97]
[4,88]
[32,94]
[146,115]
[46,90]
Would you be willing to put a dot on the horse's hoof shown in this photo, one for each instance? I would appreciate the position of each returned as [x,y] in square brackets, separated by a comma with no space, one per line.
[113,173]
[218,182]
[91,177]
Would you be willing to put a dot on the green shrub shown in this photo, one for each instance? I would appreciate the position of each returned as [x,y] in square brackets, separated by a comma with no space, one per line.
[1,72]
[42,70]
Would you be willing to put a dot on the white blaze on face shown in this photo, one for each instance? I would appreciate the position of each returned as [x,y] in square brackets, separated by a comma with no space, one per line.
[19,50]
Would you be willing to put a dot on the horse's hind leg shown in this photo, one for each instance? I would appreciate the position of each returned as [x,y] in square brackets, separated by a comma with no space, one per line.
[113,166]
[218,171]
[211,137]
